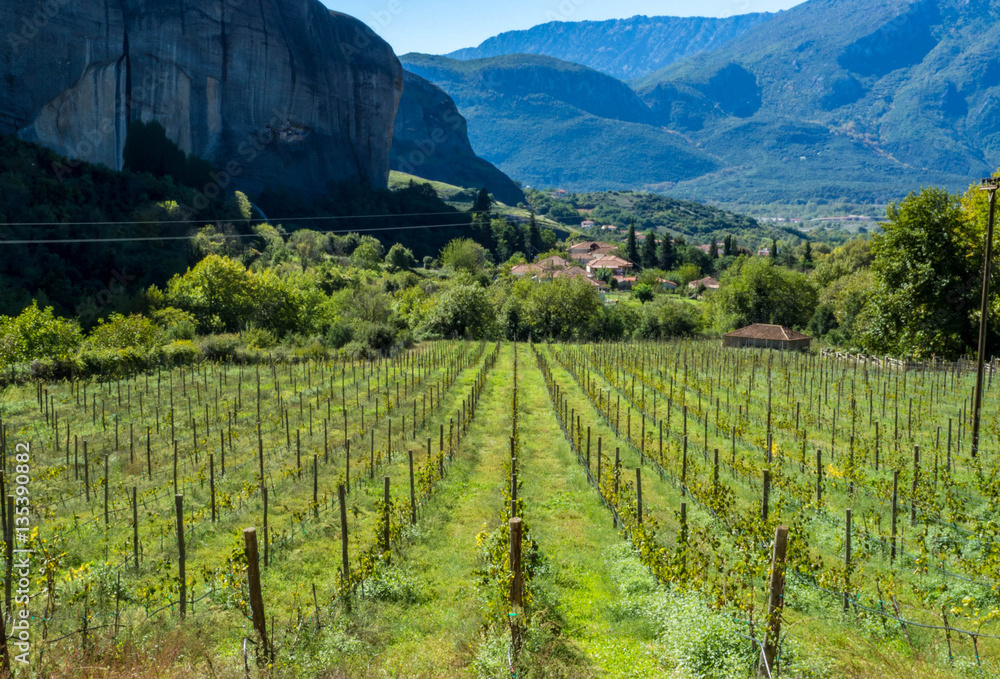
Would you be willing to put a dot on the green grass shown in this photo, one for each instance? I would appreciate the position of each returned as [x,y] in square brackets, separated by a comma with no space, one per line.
[601,606]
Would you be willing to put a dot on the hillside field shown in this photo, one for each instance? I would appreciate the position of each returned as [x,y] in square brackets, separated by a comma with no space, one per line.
[651,480]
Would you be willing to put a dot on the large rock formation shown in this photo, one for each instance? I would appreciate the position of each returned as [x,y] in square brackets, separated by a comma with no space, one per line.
[274,92]
[431,140]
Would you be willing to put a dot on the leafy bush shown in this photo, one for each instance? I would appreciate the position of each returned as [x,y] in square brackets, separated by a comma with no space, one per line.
[400,258]
[643,292]
[37,334]
[125,332]
[378,338]
[463,311]
[176,324]
[220,347]
[183,352]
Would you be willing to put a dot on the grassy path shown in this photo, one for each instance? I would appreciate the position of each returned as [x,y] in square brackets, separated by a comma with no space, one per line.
[436,633]
[574,532]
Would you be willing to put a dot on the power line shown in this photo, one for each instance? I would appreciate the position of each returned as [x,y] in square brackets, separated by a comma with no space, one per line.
[179,222]
[209,221]
[143,239]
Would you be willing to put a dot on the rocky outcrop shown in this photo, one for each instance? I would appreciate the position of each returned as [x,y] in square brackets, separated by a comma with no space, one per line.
[274,93]
[431,140]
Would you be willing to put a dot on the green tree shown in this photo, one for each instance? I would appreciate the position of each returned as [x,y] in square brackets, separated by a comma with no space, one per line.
[649,250]
[755,290]
[462,311]
[534,239]
[665,255]
[37,334]
[464,254]
[507,238]
[631,250]
[774,249]
[563,309]
[368,254]
[643,293]
[125,332]
[310,246]
[807,256]
[713,249]
[400,258]
[927,279]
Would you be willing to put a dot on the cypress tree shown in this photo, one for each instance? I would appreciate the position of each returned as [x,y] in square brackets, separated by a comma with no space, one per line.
[665,253]
[649,250]
[631,251]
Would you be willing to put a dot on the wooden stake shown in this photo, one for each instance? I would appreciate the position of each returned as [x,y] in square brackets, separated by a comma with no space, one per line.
[256,597]
[776,602]
[181,553]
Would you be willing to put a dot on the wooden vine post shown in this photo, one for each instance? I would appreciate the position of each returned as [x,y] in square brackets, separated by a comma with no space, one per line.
[181,553]
[256,597]
[776,603]
[516,601]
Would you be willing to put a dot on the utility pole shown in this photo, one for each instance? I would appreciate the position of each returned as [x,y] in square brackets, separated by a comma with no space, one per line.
[992,185]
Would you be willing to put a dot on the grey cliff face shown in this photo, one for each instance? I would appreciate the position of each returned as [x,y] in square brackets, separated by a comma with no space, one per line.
[274,93]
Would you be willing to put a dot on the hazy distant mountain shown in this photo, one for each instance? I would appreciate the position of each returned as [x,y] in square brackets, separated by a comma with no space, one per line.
[431,140]
[625,48]
[833,101]
[859,98]
[548,122]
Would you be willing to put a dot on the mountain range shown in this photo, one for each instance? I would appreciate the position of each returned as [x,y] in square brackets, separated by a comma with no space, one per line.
[623,48]
[831,102]
[548,122]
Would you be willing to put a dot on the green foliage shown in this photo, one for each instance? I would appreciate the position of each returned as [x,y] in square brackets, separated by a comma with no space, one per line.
[664,319]
[465,255]
[400,258]
[310,246]
[226,297]
[927,276]
[37,334]
[123,332]
[643,292]
[755,290]
[462,311]
[368,254]
[176,324]
[562,309]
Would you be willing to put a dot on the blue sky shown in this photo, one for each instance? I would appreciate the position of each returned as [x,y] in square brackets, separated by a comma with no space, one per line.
[442,26]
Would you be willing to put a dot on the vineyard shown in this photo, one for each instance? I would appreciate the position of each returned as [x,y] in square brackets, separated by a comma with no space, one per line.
[501,510]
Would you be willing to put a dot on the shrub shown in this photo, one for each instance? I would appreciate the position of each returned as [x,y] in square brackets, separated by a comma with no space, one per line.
[180,353]
[339,334]
[643,292]
[379,338]
[176,323]
[259,338]
[37,334]
[220,347]
[400,258]
[125,332]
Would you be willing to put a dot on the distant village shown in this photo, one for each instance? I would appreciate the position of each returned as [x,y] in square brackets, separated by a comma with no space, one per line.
[593,261]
